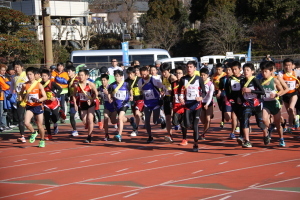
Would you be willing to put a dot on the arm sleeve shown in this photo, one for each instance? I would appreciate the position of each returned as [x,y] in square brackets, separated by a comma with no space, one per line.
[210,94]
[181,88]
[202,87]
[227,89]
[56,89]
[221,84]
[260,90]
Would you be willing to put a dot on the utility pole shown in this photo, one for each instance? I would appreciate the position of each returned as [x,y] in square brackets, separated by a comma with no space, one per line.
[48,55]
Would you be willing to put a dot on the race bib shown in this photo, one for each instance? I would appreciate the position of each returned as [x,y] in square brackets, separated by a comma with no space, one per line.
[249,95]
[120,95]
[235,85]
[176,96]
[83,97]
[136,91]
[149,94]
[291,84]
[19,87]
[32,96]
[105,97]
[192,94]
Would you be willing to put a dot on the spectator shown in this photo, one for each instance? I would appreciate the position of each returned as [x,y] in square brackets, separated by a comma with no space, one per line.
[104,70]
[114,63]
[3,87]
[268,58]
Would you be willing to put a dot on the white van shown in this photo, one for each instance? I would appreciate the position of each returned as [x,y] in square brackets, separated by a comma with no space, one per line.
[212,60]
[236,57]
[178,61]
[144,56]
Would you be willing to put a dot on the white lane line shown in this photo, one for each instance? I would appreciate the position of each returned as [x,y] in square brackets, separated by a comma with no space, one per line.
[43,193]
[20,160]
[50,169]
[152,161]
[197,171]
[178,154]
[248,154]
[131,195]
[54,153]
[115,153]
[85,160]
[253,185]
[279,174]
[225,197]
[93,179]
[62,159]
[223,163]
[122,170]
[298,166]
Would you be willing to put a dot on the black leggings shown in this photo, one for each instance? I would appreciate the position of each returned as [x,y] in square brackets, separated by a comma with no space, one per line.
[62,102]
[50,114]
[20,114]
[98,114]
[191,120]
[250,111]
[238,111]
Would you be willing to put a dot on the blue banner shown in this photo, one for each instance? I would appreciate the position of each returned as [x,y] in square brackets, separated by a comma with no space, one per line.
[249,52]
[125,53]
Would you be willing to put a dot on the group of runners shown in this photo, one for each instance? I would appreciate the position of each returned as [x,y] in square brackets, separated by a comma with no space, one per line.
[178,98]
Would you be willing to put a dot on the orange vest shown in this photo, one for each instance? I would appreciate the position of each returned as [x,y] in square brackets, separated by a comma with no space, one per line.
[290,80]
[62,75]
[35,93]
[216,80]
[3,87]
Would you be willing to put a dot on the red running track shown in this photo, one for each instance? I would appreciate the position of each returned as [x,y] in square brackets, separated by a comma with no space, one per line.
[132,169]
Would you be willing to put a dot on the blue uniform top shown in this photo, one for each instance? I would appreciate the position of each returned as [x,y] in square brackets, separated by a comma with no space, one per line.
[120,97]
[151,92]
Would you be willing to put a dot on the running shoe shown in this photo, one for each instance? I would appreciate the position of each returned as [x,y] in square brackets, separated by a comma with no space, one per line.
[150,140]
[106,138]
[177,127]
[289,130]
[13,126]
[202,137]
[267,140]
[132,123]
[22,140]
[118,138]
[100,124]
[74,133]
[32,137]
[184,143]
[232,136]
[116,126]
[284,130]
[133,133]
[240,141]
[237,130]
[163,124]
[195,148]
[55,129]
[247,144]
[222,125]
[297,121]
[49,137]
[283,124]
[88,139]
[42,144]
[169,139]
[281,142]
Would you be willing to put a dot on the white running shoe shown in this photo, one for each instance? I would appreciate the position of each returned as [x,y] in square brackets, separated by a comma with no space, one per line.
[74,133]
[133,133]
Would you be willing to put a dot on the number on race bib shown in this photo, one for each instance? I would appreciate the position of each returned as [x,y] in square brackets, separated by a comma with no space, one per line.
[192,94]
[32,96]
[235,85]
[149,94]
[291,85]
[121,95]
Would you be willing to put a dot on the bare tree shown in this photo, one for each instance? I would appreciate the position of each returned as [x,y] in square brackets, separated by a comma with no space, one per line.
[126,12]
[61,31]
[162,33]
[222,32]
[85,34]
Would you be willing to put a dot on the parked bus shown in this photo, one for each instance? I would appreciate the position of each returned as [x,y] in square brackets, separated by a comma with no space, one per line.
[177,61]
[144,56]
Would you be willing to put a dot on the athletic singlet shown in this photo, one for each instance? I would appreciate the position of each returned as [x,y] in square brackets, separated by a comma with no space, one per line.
[209,88]
[104,97]
[289,80]
[252,99]
[177,106]
[135,89]
[269,88]
[34,94]
[49,93]
[81,94]
[216,80]
[150,93]
[192,91]
[121,97]
[167,86]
